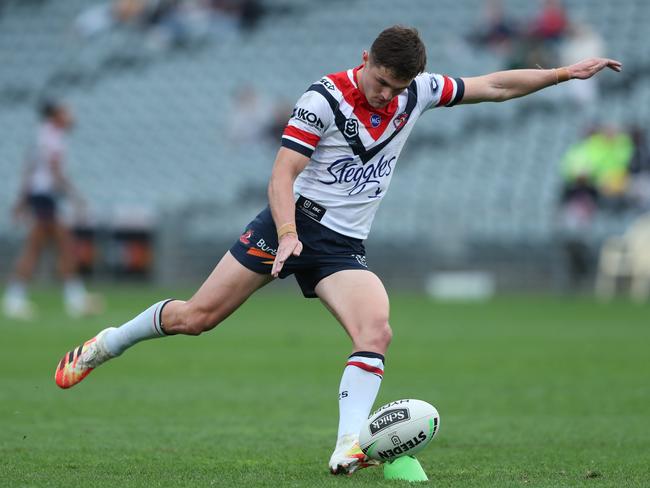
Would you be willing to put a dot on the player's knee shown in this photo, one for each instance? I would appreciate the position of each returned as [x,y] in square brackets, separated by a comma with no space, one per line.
[385,334]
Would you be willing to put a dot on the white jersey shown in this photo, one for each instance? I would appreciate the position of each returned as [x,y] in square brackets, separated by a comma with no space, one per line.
[50,144]
[353,148]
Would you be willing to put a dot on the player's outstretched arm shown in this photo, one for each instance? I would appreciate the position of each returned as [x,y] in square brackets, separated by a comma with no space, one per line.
[288,165]
[506,85]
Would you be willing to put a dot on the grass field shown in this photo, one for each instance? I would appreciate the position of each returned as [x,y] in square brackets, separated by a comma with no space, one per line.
[532,392]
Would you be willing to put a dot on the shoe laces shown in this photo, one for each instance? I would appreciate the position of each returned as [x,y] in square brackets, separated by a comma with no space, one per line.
[93,355]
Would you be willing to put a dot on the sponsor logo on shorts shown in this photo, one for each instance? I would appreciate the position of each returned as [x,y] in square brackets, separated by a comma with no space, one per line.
[245,238]
[361,259]
[388,418]
[260,249]
[265,247]
[375,120]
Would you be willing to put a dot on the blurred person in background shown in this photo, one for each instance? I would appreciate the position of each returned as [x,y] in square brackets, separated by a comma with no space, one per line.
[278,122]
[168,24]
[250,116]
[541,38]
[254,119]
[44,184]
[603,159]
[582,42]
[551,23]
[339,151]
[579,202]
[496,30]
[596,174]
[101,18]
[640,169]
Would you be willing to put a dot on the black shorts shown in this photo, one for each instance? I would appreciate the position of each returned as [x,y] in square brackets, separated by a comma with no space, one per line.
[324,251]
[42,206]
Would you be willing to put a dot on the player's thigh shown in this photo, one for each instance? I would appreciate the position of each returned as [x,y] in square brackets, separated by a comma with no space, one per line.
[359,301]
[62,235]
[227,287]
[40,233]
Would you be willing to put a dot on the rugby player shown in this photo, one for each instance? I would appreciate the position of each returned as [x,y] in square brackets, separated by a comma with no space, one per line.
[339,152]
[44,185]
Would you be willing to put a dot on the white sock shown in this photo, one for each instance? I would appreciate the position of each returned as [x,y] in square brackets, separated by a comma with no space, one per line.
[147,325]
[74,292]
[16,291]
[359,387]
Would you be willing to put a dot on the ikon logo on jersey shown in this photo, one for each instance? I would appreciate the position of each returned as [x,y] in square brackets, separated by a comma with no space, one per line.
[307,116]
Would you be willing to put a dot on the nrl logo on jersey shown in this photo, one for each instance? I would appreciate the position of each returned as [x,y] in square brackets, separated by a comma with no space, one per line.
[351,128]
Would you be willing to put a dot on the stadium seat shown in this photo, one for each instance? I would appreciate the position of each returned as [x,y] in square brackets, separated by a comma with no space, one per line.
[167,118]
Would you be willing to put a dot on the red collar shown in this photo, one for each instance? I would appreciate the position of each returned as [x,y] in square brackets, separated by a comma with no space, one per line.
[360,98]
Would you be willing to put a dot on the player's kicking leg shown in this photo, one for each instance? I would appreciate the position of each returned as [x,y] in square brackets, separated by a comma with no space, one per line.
[227,287]
[357,298]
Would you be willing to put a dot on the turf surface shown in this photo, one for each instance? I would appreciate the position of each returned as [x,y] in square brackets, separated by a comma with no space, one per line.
[532,392]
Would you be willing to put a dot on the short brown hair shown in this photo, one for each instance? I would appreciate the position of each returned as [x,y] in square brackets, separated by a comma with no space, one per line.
[400,50]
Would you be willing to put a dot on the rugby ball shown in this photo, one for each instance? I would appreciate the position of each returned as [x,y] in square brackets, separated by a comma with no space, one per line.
[399,428]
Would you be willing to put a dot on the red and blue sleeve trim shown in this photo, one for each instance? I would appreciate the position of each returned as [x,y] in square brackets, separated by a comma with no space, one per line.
[302,135]
[449,97]
[290,144]
[460,92]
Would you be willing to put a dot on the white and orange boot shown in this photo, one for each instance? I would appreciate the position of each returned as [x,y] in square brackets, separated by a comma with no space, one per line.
[78,363]
[348,456]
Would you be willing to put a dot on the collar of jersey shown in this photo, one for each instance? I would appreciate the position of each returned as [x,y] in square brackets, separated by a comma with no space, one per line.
[360,99]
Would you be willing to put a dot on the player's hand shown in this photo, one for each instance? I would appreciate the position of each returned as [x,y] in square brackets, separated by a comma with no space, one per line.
[288,246]
[589,67]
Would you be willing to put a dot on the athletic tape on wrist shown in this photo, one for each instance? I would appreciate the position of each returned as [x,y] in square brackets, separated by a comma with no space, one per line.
[288,228]
[561,75]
